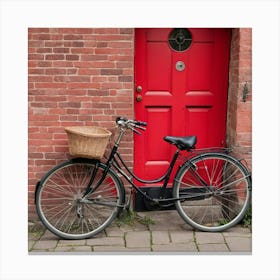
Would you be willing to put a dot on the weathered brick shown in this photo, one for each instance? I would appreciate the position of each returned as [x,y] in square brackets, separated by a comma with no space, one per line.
[61,50]
[54,56]
[72,57]
[111,72]
[72,37]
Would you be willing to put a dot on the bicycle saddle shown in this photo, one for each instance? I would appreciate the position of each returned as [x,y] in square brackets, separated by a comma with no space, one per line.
[182,143]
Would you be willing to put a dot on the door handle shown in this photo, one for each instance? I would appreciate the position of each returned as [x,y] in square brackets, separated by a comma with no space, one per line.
[139,98]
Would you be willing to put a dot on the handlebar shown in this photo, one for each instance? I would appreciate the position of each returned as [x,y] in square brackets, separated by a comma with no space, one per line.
[131,124]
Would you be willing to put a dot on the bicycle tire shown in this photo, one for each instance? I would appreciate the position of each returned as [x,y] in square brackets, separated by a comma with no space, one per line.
[58,199]
[222,202]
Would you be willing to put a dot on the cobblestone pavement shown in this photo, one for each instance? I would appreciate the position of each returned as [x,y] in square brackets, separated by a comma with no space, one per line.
[162,232]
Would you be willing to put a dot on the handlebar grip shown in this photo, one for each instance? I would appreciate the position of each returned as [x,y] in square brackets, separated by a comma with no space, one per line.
[141,123]
[124,119]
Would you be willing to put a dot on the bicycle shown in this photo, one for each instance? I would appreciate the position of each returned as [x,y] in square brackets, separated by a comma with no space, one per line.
[80,197]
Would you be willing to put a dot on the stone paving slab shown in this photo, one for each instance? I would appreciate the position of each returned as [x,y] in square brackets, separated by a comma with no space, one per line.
[239,244]
[181,236]
[189,247]
[45,245]
[108,241]
[160,237]
[209,237]
[167,234]
[138,239]
[212,247]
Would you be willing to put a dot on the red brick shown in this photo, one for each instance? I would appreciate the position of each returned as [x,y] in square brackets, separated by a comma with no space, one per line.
[57,63]
[72,37]
[36,43]
[102,45]
[72,57]
[88,71]
[77,44]
[69,104]
[35,155]
[34,71]
[55,71]
[44,63]
[54,44]
[75,30]
[82,50]
[35,56]
[55,57]
[106,31]
[40,78]
[51,85]
[93,57]
[82,85]
[107,72]
[39,136]
[61,50]
[43,117]
[41,37]
[125,78]
[43,50]
[45,162]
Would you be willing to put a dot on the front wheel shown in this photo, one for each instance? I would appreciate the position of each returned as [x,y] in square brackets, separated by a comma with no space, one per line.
[213,192]
[62,206]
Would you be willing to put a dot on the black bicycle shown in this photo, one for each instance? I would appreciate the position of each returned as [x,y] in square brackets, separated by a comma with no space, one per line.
[80,197]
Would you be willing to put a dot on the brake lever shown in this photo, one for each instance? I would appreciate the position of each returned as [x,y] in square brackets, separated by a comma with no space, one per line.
[140,127]
[134,130]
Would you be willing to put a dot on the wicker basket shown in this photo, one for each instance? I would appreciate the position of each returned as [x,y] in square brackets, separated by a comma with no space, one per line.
[87,141]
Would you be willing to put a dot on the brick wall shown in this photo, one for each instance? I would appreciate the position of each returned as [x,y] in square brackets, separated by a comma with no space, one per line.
[239,124]
[80,76]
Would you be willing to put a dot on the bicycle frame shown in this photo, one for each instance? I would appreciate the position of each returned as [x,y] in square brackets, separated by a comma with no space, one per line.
[113,162]
[165,178]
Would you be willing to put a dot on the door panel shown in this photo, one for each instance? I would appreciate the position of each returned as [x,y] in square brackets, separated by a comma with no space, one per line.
[158,65]
[157,160]
[183,93]
[199,78]
[198,115]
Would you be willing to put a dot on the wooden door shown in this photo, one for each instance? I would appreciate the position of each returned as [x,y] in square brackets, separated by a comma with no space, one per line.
[181,85]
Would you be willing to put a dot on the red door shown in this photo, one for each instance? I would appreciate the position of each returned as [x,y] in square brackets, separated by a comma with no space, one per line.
[181,84]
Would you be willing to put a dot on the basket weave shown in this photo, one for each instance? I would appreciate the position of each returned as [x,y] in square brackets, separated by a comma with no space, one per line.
[87,141]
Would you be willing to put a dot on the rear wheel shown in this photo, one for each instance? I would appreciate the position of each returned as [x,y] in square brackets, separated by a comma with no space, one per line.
[214,191]
[61,204]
